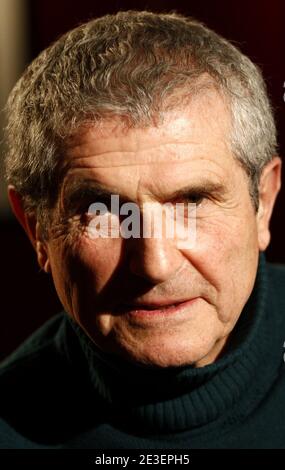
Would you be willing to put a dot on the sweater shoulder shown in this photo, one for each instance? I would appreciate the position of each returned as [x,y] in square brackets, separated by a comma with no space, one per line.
[43,338]
[38,384]
[33,367]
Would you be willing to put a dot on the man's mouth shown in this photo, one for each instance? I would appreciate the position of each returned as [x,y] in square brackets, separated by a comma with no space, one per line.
[149,309]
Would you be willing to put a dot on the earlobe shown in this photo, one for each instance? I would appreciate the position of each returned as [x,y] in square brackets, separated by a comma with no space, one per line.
[31,226]
[42,256]
[269,186]
[41,249]
[28,221]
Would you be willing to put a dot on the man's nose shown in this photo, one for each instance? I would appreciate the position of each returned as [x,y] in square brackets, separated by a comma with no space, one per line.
[155,259]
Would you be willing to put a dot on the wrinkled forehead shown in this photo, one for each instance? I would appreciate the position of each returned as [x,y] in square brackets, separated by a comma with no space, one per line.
[204,121]
[189,146]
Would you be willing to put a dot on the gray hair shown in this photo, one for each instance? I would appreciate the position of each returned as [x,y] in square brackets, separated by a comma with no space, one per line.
[127,64]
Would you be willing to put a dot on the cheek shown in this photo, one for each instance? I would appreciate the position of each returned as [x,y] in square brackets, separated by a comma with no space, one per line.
[82,269]
[223,238]
[97,259]
[226,255]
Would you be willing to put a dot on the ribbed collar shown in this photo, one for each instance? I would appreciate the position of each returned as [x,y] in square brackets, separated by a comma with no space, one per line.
[183,398]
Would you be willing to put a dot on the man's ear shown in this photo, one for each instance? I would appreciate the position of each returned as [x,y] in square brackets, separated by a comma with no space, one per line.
[269,186]
[31,226]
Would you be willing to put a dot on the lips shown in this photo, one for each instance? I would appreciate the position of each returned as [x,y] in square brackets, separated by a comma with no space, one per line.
[155,308]
[150,306]
[157,304]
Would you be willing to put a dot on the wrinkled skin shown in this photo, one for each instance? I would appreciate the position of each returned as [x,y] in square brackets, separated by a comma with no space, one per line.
[93,277]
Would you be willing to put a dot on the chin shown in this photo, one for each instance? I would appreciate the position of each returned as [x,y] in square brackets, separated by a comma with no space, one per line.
[165,355]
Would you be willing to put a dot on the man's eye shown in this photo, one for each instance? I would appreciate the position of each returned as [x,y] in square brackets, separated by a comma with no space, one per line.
[194,199]
[95,206]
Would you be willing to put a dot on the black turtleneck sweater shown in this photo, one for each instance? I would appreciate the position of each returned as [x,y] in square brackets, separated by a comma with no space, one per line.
[58,391]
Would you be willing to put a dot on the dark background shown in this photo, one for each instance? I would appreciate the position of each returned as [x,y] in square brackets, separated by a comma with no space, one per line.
[257,27]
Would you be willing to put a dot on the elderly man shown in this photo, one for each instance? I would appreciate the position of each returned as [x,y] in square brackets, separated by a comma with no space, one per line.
[163,342]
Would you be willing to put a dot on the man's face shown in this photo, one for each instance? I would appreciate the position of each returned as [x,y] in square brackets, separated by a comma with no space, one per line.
[99,280]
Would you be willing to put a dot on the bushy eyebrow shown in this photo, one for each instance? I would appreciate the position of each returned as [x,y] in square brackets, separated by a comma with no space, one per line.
[91,189]
[79,190]
[204,187]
